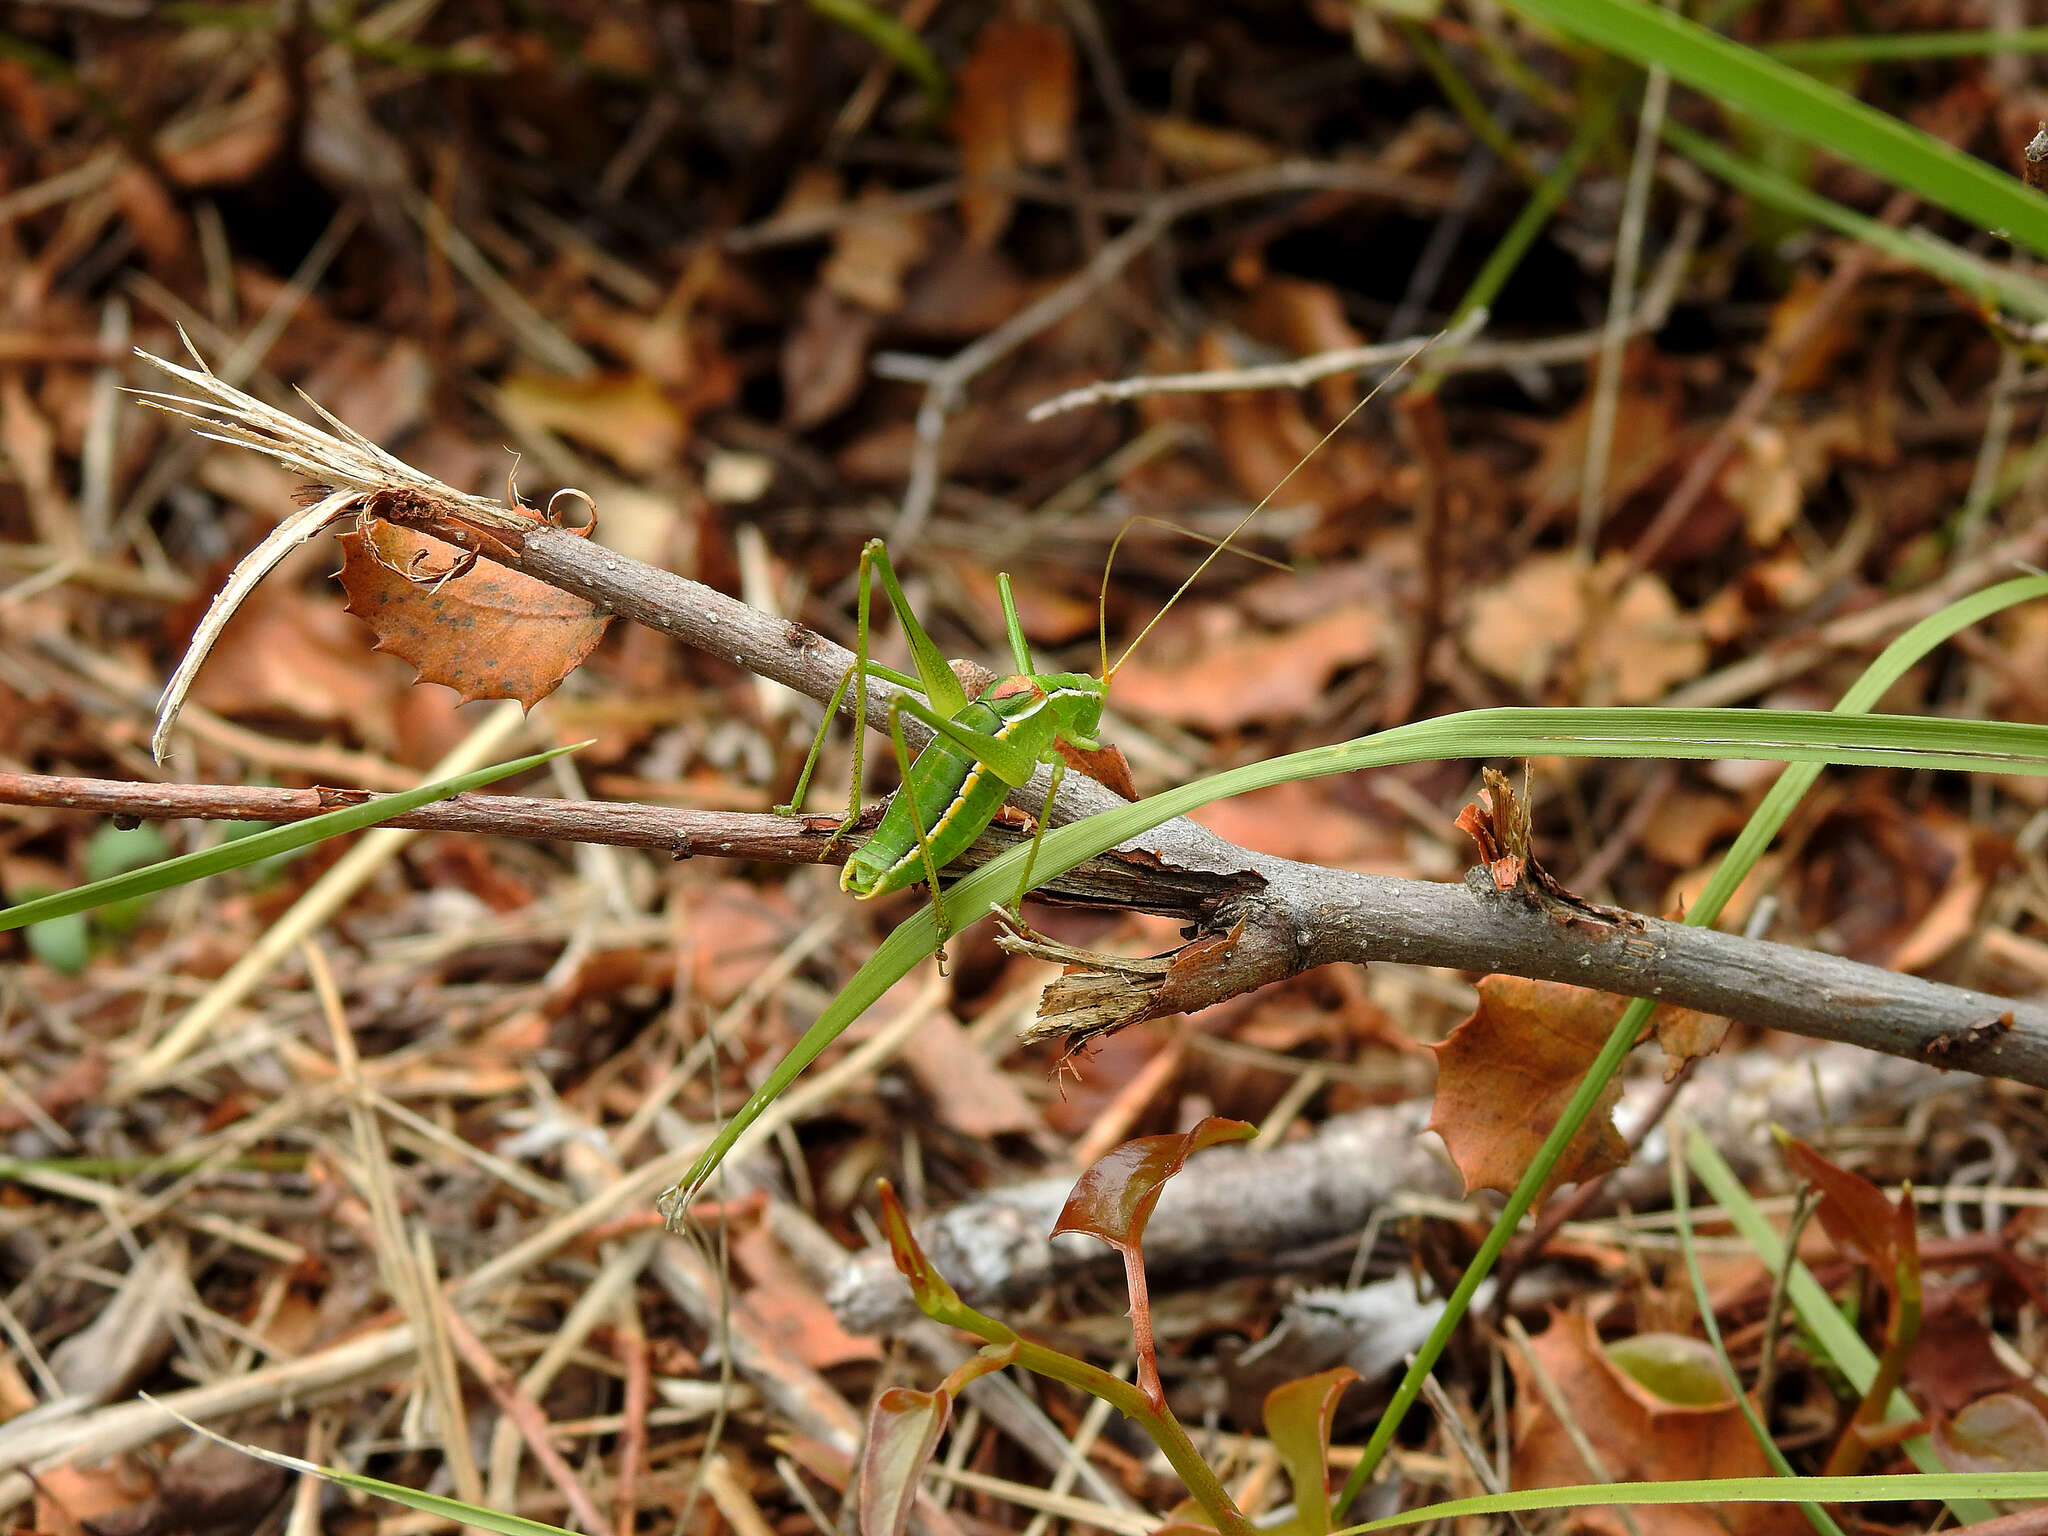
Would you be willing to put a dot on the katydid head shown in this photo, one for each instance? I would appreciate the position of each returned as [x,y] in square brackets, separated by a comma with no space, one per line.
[1457,333]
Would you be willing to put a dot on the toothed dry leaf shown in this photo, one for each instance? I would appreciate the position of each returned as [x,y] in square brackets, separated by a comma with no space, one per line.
[490,633]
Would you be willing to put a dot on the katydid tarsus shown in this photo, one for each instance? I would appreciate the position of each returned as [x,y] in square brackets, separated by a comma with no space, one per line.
[981,748]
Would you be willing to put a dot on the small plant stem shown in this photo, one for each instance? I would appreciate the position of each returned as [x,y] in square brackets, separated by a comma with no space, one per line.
[1752,1411]
[1866,1425]
[1166,1431]
[1619,1043]
[1465,101]
[1774,1314]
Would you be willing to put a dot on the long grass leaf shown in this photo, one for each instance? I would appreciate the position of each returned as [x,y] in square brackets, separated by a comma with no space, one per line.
[1792,100]
[1883,1488]
[1769,735]
[1968,271]
[1819,1315]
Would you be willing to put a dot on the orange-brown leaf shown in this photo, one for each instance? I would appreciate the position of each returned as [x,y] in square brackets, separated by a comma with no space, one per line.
[1252,678]
[1016,107]
[1506,1073]
[625,416]
[490,633]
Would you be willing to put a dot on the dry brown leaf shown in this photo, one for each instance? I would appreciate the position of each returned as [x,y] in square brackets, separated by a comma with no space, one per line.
[382,386]
[251,135]
[1016,107]
[1630,646]
[1305,820]
[1646,433]
[1506,1073]
[962,293]
[1267,436]
[1635,1443]
[68,1496]
[970,1092]
[1764,483]
[625,416]
[1517,628]
[490,633]
[284,656]
[1887,885]
[159,226]
[1307,318]
[825,358]
[1051,615]
[1643,644]
[872,252]
[1249,678]
[1197,149]
[790,1308]
[1808,367]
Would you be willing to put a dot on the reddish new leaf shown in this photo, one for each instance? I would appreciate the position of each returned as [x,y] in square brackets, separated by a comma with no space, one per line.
[935,1297]
[490,633]
[903,1431]
[1298,1418]
[1114,1199]
[1855,1212]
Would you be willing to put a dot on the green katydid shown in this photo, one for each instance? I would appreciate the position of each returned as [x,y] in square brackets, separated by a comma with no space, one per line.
[981,748]
[984,747]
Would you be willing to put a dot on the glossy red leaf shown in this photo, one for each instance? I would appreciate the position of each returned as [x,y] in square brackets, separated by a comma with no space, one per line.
[1115,1198]
[1855,1213]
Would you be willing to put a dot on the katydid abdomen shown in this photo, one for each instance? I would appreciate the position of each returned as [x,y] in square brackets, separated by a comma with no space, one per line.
[951,795]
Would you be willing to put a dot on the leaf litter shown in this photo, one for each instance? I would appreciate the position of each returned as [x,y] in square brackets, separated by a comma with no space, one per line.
[594,281]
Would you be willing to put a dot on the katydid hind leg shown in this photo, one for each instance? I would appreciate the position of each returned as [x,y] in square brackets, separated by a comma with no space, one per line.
[860,687]
[1009,762]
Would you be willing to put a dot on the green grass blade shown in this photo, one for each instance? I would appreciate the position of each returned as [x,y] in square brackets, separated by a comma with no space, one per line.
[1869,47]
[2016,290]
[1770,735]
[260,845]
[1681,1207]
[412,1498]
[1951,1486]
[1795,102]
[1821,1317]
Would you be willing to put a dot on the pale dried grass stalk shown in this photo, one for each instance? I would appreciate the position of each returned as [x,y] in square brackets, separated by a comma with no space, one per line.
[347,469]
